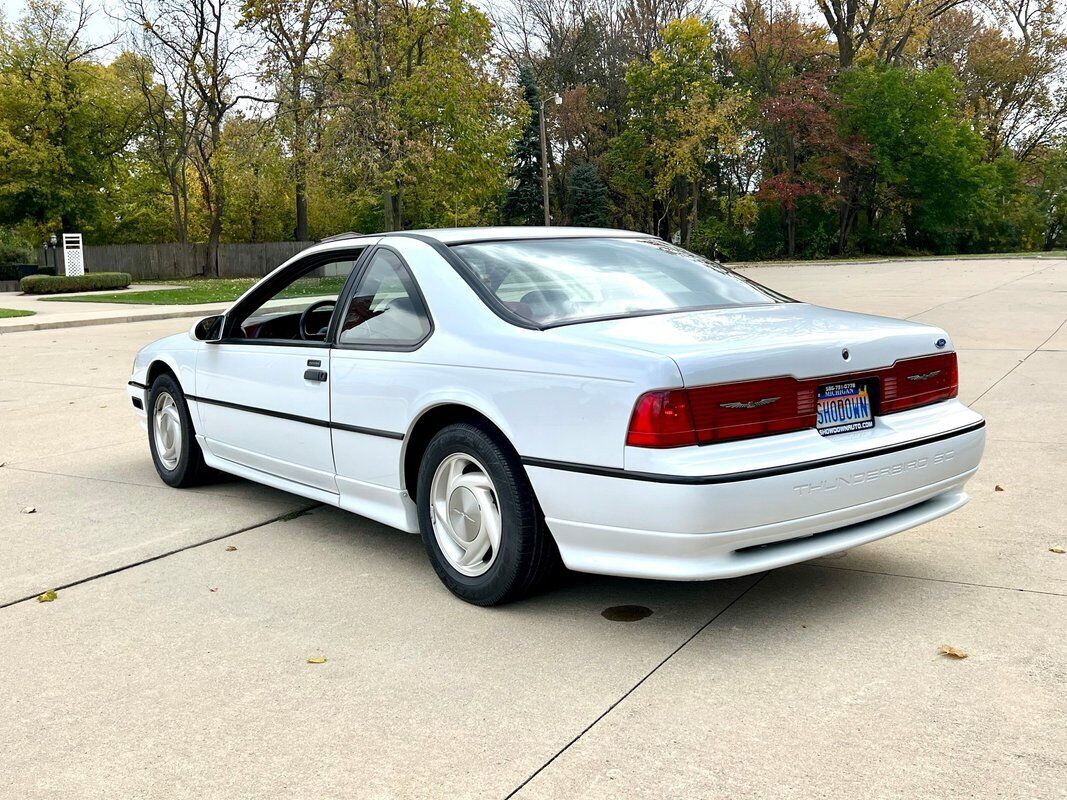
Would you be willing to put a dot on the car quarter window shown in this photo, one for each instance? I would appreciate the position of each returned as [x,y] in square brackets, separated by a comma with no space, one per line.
[300,308]
[386,308]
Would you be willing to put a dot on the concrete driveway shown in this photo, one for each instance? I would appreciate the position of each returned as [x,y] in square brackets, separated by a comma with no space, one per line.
[172,665]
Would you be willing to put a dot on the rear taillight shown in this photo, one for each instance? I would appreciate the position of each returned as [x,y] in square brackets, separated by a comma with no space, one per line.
[918,382]
[723,412]
[661,419]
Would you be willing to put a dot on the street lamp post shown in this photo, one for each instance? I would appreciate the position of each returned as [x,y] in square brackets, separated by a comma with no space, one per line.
[544,156]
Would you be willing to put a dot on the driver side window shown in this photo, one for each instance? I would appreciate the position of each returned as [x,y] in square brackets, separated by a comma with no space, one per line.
[301,308]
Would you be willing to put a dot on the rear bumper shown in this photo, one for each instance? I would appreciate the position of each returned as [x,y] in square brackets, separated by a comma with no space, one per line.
[721,525]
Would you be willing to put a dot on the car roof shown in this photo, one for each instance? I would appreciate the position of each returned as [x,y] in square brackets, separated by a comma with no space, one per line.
[499,233]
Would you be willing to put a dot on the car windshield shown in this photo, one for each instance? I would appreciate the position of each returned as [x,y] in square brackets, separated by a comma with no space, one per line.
[559,281]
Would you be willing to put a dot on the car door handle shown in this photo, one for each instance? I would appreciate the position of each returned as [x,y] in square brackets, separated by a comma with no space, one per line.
[318,375]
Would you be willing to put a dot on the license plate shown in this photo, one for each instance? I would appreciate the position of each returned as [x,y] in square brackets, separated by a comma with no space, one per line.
[843,407]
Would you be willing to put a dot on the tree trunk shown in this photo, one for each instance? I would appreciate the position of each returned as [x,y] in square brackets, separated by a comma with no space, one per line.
[216,208]
[301,231]
[683,211]
[696,215]
[300,167]
[791,209]
[176,208]
[391,208]
[791,231]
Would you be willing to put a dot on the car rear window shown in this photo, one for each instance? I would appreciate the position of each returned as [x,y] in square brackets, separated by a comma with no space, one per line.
[561,281]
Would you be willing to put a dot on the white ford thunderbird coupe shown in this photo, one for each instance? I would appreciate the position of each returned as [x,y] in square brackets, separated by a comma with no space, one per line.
[522,396]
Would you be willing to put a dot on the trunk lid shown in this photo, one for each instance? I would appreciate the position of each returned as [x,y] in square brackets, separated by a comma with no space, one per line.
[783,339]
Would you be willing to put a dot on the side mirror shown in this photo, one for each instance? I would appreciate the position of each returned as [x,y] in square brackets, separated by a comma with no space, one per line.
[209,329]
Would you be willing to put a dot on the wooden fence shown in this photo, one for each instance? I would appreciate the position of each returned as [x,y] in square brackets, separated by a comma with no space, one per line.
[148,261]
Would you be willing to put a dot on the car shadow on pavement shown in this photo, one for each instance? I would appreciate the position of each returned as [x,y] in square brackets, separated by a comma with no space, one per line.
[355,548]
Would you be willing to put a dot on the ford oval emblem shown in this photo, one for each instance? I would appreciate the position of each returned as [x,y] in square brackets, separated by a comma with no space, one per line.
[940,343]
[845,354]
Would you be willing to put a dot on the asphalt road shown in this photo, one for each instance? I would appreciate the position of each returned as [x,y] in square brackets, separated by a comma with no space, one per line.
[174,666]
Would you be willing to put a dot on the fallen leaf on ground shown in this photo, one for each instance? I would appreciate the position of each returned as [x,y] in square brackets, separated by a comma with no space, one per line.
[952,652]
[317,660]
[230,548]
[998,488]
[47,597]
[29,510]
[1057,550]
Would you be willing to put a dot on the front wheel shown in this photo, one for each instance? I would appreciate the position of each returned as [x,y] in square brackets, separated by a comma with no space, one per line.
[171,438]
[480,523]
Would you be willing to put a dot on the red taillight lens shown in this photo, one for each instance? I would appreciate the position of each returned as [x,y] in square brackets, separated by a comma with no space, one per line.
[919,381]
[661,419]
[751,408]
[707,414]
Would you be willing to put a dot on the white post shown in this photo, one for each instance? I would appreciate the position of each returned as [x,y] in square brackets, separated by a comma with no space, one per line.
[73,259]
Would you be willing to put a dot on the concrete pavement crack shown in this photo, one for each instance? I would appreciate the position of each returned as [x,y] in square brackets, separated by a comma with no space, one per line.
[636,686]
[1021,362]
[935,580]
[153,485]
[984,291]
[121,388]
[158,556]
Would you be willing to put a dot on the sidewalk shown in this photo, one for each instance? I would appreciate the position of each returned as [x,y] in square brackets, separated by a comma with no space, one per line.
[57,314]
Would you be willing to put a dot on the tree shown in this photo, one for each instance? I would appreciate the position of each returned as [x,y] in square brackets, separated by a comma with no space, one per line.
[886,28]
[197,39]
[296,32]
[1050,187]
[687,117]
[926,160]
[524,202]
[587,197]
[773,45]
[1012,65]
[65,120]
[807,158]
[421,120]
[170,121]
[257,175]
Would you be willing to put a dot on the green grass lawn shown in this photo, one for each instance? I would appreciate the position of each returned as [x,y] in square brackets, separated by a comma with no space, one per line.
[12,312]
[205,290]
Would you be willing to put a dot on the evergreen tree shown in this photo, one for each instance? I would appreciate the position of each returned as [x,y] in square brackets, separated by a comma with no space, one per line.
[523,203]
[587,197]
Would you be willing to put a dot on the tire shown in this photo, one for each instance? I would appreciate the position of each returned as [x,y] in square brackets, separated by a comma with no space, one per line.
[182,464]
[450,475]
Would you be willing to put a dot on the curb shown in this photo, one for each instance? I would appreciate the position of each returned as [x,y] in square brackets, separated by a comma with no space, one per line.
[79,323]
[1039,256]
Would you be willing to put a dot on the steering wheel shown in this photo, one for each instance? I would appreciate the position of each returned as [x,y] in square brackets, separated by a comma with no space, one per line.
[306,315]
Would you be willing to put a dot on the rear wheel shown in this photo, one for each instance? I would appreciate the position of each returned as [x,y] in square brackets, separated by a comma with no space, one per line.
[480,523]
[171,437]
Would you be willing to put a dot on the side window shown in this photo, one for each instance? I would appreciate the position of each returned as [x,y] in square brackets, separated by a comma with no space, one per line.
[300,309]
[385,308]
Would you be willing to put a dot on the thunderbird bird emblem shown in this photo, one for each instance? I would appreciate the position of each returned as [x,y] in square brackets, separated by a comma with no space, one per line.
[766,401]
[925,376]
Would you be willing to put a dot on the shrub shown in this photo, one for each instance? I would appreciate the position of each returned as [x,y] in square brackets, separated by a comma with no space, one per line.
[15,272]
[15,249]
[58,284]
